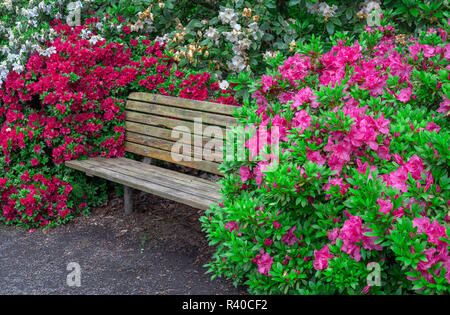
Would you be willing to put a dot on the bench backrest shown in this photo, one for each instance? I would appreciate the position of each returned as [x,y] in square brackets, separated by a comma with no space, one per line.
[152,118]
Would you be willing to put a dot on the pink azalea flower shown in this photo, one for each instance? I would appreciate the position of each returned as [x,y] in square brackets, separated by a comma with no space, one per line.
[305,95]
[267,82]
[447,51]
[415,167]
[434,232]
[366,289]
[433,127]
[302,120]
[289,238]
[444,107]
[316,157]
[352,233]
[265,264]
[414,50]
[333,235]
[295,68]
[258,172]
[321,258]
[231,226]
[382,124]
[362,168]
[383,153]
[342,151]
[428,51]
[385,205]
[245,173]
[285,97]
[276,225]
[398,178]
[404,95]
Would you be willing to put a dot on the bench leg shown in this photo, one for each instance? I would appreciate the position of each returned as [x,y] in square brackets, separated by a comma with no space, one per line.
[147,160]
[128,199]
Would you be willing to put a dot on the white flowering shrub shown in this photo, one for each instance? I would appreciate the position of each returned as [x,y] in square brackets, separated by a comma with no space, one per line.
[227,37]
[25,28]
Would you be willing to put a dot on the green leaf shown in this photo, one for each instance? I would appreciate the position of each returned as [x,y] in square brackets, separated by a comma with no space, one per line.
[414,12]
[330,28]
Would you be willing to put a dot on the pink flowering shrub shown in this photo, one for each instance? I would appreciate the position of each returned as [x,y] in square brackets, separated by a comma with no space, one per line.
[70,105]
[361,178]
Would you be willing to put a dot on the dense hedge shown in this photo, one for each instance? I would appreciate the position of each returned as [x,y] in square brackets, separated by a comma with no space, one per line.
[361,177]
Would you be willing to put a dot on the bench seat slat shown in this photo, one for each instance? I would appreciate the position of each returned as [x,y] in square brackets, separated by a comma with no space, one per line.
[176,193]
[162,176]
[153,168]
[184,103]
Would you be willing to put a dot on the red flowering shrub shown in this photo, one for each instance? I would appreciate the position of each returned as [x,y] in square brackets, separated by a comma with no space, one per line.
[70,105]
[360,188]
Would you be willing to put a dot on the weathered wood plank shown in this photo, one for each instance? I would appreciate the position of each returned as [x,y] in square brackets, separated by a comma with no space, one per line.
[128,199]
[185,114]
[162,171]
[159,172]
[189,184]
[140,184]
[180,125]
[166,145]
[163,133]
[184,103]
[147,160]
[207,166]
[181,137]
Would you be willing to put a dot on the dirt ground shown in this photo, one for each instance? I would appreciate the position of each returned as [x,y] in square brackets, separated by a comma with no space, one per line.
[159,249]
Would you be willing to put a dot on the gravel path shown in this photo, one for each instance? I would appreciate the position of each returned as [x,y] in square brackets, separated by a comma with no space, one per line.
[159,249]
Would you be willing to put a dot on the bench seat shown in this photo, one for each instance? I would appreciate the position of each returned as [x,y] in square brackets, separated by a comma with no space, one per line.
[193,191]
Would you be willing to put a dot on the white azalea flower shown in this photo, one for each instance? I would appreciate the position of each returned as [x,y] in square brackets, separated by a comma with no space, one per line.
[368,6]
[245,43]
[223,85]
[212,33]
[227,15]
[237,27]
[326,10]
[162,39]
[95,39]
[233,36]
[237,64]
[270,54]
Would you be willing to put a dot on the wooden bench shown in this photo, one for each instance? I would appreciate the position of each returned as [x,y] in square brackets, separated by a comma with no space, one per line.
[150,119]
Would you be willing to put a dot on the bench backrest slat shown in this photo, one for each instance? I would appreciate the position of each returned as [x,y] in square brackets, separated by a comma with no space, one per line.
[167,156]
[166,122]
[214,108]
[166,145]
[180,113]
[162,133]
[151,118]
